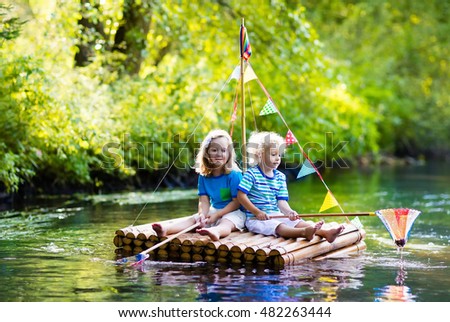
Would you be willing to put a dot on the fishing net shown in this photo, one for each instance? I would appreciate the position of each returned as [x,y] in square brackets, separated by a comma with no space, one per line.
[398,222]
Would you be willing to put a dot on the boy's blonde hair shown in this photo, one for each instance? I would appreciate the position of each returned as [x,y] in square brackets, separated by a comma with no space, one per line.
[260,142]
[202,164]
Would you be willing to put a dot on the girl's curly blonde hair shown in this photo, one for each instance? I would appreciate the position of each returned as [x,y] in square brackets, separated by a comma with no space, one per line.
[260,142]
[202,164]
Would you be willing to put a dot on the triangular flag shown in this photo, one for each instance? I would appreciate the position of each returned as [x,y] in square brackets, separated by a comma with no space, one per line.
[357,223]
[249,74]
[268,108]
[290,138]
[306,169]
[236,74]
[329,202]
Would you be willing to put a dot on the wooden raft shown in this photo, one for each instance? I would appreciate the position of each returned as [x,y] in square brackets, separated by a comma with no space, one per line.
[239,248]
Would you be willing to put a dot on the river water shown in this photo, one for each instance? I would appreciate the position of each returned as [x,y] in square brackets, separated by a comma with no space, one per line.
[61,249]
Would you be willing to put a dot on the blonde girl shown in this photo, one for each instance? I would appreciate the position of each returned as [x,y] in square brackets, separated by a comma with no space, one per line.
[219,177]
[263,193]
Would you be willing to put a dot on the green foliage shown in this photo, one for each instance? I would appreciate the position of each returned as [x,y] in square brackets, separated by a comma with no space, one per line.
[9,26]
[394,55]
[121,88]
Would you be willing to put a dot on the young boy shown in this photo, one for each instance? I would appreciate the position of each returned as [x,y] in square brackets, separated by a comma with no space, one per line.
[263,193]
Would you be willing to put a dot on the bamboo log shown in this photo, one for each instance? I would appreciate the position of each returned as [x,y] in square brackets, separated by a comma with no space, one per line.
[145,235]
[222,260]
[343,251]
[132,234]
[127,241]
[302,243]
[201,241]
[138,242]
[299,244]
[118,241]
[210,248]
[318,249]
[164,246]
[174,245]
[226,248]
[236,260]
[234,236]
[227,243]
[154,238]
[263,253]
[149,244]
[162,254]
[146,227]
[251,242]
[197,257]
[210,258]
[186,246]
[174,255]
[185,257]
[197,249]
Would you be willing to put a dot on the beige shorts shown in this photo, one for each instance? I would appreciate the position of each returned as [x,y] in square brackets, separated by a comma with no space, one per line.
[268,227]
[237,217]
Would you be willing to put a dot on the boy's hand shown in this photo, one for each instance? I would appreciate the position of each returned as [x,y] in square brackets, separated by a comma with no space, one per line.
[261,216]
[293,215]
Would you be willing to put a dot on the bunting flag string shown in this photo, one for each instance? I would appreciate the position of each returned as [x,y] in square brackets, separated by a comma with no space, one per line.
[290,138]
[268,108]
[329,202]
[329,198]
[307,168]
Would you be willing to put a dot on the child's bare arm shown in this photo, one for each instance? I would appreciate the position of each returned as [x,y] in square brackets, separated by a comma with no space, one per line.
[287,210]
[243,199]
[232,206]
[203,205]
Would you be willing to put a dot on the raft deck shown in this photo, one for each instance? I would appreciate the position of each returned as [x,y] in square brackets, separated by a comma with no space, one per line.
[241,248]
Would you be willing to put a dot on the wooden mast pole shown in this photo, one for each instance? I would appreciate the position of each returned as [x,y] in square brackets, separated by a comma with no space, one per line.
[244,137]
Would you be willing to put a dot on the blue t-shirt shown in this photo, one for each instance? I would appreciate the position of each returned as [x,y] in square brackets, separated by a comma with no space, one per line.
[221,190]
[263,191]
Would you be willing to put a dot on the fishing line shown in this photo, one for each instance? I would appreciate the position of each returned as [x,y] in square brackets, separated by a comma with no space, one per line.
[182,149]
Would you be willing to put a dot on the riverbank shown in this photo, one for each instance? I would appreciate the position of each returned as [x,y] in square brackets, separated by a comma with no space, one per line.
[180,179]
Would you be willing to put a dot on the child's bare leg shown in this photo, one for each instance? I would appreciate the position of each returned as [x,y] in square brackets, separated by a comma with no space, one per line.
[304,224]
[164,230]
[306,231]
[330,232]
[221,230]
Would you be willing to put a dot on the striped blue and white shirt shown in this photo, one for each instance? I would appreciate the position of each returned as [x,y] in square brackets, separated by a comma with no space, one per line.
[263,191]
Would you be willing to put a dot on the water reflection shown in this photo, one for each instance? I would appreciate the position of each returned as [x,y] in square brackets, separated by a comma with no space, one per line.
[312,281]
[399,292]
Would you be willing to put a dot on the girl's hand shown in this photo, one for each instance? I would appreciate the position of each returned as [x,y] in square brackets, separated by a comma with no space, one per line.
[202,220]
[212,218]
[293,215]
[262,216]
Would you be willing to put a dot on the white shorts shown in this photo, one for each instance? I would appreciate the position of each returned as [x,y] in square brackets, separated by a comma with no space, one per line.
[237,217]
[268,227]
